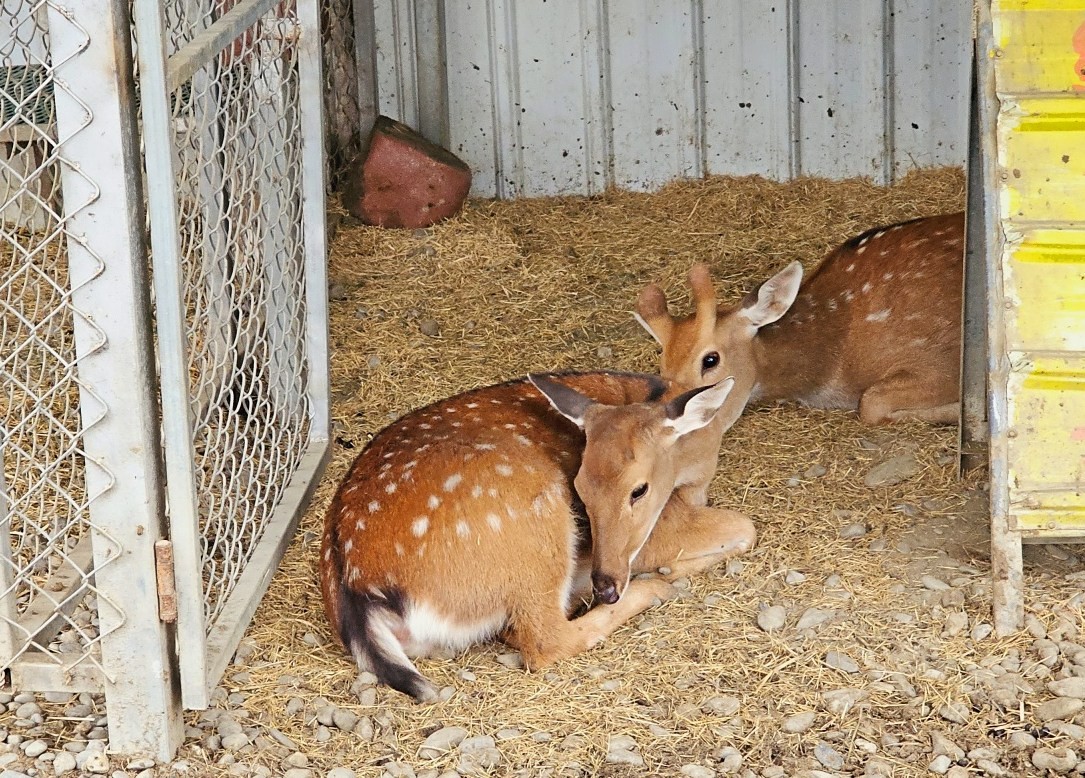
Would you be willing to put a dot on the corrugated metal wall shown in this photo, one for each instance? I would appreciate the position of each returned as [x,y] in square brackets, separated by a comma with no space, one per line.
[572,96]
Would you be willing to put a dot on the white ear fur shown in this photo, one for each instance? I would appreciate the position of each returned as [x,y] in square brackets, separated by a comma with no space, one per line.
[643,323]
[775,297]
[702,407]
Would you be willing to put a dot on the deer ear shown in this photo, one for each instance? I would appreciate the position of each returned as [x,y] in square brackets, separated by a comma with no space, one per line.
[773,298]
[652,314]
[568,402]
[694,409]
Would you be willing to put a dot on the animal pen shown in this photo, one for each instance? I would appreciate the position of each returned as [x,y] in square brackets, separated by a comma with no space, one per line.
[163,294]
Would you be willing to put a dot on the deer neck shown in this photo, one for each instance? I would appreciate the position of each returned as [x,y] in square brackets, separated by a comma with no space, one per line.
[791,354]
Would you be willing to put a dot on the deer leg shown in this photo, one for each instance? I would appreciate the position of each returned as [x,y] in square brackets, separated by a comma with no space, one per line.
[688,539]
[903,397]
[545,636]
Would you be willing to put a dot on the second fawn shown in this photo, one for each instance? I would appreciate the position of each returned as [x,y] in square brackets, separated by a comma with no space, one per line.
[493,512]
[875,328]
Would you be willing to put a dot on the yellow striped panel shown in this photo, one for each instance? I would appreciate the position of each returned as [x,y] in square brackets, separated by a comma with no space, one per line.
[1042,46]
[1046,428]
[1054,523]
[1046,277]
[1042,151]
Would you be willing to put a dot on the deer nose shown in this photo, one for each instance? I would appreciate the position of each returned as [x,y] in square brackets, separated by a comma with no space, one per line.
[606,590]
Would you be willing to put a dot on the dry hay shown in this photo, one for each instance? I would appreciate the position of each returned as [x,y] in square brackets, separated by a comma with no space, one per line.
[548,283]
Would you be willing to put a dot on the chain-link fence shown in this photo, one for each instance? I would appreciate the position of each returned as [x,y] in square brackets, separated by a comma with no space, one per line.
[241,369]
[48,600]
[220,384]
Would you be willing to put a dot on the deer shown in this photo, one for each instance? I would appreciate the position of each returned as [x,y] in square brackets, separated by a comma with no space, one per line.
[876,328]
[498,511]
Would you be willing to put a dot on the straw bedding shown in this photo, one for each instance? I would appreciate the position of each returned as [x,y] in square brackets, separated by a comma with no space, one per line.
[510,287]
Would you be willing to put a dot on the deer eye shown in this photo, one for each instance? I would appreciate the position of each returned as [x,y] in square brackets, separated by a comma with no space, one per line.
[709,361]
[637,493]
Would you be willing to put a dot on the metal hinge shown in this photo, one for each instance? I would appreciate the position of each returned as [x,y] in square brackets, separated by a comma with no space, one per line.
[167,590]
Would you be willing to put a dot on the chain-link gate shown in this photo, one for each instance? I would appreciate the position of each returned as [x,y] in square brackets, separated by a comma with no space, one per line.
[236,405]
[232,113]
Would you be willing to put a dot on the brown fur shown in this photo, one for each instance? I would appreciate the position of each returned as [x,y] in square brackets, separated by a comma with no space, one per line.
[465,567]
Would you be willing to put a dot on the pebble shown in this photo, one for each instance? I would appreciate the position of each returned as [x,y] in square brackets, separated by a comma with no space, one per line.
[813,617]
[942,745]
[1068,687]
[955,623]
[429,327]
[298,772]
[853,530]
[892,471]
[840,701]
[772,618]
[696,771]
[934,584]
[815,471]
[722,706]
[35,748]
[954,712]
[991,768]
[511,660]
[794,577]
[340,772]
[344,719]
[442,741]
[981,631]
[1059,708]
[63,763]
[1057,760]
[841,662]
[1022,740]
[798,723]
[97,763]
[730,760]
[828,756]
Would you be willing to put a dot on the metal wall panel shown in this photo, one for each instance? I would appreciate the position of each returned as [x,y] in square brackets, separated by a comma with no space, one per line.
[568,98]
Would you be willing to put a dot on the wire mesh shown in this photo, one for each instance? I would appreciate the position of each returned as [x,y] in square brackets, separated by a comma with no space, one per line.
[342,114]
[238,188]
[48,602]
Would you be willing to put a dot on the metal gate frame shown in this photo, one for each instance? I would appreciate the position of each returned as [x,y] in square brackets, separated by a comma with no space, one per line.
[205,648]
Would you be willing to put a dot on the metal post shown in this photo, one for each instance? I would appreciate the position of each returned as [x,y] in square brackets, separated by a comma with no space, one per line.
[1006,562]
[972,429]
[97,132]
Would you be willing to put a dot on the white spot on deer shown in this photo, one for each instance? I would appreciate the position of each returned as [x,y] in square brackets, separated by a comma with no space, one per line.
[476,491]
[494,521]
[389,454]
[912,317]
[485,447]
[391,487]
[328,555]
[457,424]
[887,277]
[451,409]
[354,574]
[492,492]
[526,425]
[863,241]
[884,253]
[495,402]
[504,470]
[832,305]
[472,405]
[433,502]
[462,529]
[419,526]
[373,506]
[539,504]
[452,481]
[896,227]
[510,426]
[867,287]
[879,315]
[919,341]
[359,525]
[399,549]
[879,233]
[421,550]
[849,295]
[523,441]
[861,249]
[850,267]
[425,426]
[424,447]
[348,546]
